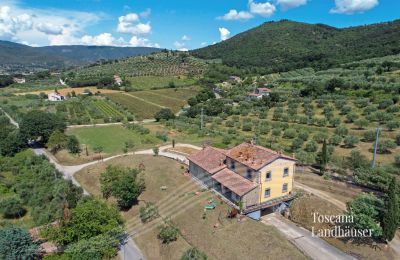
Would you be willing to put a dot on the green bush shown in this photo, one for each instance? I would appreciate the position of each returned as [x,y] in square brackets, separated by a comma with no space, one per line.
[12,208]
[311,146]
[289,133]
[350,141]
[194,254]
[168,233]
[148,212]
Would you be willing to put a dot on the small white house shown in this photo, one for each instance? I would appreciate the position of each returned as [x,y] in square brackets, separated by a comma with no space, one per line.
[55,97]
[19,80]
[118,80]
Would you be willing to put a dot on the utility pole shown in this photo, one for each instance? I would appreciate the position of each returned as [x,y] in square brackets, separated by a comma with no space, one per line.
[202,120]
[375,147]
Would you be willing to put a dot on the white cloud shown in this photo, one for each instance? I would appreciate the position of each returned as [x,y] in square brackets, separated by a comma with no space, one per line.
[353,6]
[42,26]
[264,9]
[142,42]
[203,44]
[180,46]
[224,33]
[130,23]
[287,4]
[49,28]
[186,38]
[235,15]
[38,27]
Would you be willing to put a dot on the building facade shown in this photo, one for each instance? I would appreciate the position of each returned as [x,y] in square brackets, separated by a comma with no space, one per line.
[250,176]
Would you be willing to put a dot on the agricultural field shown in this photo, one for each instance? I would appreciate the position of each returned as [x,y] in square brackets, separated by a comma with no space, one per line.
[159,64]
[144,104]
[158,82]
[186,209]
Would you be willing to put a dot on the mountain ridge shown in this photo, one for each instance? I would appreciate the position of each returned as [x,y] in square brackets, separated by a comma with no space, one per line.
[284,45]
[16,57]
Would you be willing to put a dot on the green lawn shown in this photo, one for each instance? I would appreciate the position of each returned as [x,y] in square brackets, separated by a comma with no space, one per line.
[111,138]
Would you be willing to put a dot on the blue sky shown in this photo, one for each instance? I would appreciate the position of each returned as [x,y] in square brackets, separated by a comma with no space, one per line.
[173,24]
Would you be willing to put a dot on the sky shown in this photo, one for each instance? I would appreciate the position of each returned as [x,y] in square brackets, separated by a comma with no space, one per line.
[172,24]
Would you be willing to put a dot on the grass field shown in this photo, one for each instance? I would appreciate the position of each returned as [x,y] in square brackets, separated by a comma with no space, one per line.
[153,82]
[230,240]
[111,138]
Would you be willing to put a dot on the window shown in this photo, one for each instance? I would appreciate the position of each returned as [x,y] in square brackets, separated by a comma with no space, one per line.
[267,193]
[249,174]
[285,172]
[268,176]
[285,187]
[233,165]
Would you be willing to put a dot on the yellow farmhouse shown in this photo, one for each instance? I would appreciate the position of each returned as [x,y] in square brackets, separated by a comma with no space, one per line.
[248,175]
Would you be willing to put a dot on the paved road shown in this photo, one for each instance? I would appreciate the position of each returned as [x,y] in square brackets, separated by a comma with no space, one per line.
[314,247]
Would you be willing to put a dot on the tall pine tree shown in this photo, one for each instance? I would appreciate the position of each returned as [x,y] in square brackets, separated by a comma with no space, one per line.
[391,215]
[323,157]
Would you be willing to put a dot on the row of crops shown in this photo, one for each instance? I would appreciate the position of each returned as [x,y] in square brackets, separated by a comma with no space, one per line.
[91,111]
[160,64]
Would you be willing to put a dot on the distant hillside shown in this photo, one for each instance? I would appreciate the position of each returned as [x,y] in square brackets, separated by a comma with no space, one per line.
[287,45]
[16,57]
[165,63]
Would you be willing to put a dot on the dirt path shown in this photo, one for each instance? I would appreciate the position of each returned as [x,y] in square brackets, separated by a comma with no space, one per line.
[312,246]
[12,121]
[110,124]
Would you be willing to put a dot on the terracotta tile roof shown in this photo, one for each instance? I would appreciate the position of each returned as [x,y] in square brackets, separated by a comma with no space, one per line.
[210,159]
[254,156]
[234,181]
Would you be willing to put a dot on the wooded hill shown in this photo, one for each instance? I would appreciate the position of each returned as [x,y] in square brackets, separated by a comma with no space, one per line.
[15,58]
[286,45]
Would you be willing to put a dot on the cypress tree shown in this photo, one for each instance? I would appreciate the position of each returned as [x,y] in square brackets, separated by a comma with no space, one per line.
[390,221]
[323,157]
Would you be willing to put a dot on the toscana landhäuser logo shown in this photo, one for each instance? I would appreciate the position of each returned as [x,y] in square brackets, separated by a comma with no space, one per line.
[342,227]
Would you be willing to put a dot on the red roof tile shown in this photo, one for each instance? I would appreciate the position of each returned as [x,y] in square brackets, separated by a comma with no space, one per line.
[254,156]
[234,181]
[210,159]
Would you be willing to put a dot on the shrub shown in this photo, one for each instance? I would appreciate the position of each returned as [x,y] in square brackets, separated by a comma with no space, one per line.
[168,233]
[391,125]
[335,121]
[385,145]
[229,123]
[148,212]
[194,254]
[165,114]
[397,138]
[303,134]
[361,123]
[351,117]
[297,143]
[397,160]
[247,126]
[311,146]
[350,141]
[16,243]
[289,133]
[369,136]
[12,208]
[319,137]
[335,140]
[341,130]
